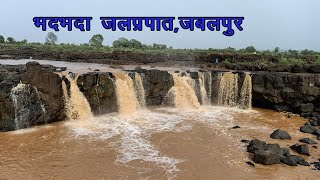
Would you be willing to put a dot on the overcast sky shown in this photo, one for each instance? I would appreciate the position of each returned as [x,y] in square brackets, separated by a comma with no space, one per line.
[288,24]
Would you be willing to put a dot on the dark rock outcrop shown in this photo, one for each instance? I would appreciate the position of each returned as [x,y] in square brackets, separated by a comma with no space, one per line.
[100,90]
[280,134]
[266,157]
[294,92]
[157,84]
[29,95]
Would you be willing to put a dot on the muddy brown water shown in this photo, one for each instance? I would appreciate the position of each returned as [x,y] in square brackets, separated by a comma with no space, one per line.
[159,143]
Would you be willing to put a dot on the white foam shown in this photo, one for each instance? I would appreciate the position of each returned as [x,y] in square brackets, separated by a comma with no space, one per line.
[134,131]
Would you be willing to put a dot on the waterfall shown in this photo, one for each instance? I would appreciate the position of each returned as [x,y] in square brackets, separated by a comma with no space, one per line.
[205,83]
[139,89]
[127,100]
[182,94]
[27,104]
[77,106]
[245,100]
[228,90]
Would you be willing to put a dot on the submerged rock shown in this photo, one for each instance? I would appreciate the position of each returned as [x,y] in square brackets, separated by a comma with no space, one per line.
[301,149]
[280,134]
[250,163]
[236,127]
[245,141]
[308,141]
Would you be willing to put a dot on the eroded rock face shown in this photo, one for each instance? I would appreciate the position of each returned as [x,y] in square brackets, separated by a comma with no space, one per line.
[157,84]
[29,95]
[298,93]
[100,90]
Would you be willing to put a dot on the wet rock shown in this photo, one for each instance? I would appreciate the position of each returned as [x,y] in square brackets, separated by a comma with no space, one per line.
[255,145]
[317,132]
[100,90]
[307,108]
[317,165]
[72,75]
[293,160]
[276,149]
[266,157]
[314,123]
[245,141]
[236,127]
[157,84]
[308,141]
[301,149]
[308,129]
[308,123]
[280,134]
[250,163]
[40,98]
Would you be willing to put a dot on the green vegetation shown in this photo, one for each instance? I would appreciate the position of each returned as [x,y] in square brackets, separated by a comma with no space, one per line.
[51,38]
[249,55]
[2,40]
[96,40]
[10,40]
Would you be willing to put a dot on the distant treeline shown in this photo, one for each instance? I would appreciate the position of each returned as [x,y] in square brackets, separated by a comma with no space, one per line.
[95,44]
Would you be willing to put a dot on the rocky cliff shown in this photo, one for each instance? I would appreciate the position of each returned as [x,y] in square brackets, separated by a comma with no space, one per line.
[294,92]
[29,95]
[32,94]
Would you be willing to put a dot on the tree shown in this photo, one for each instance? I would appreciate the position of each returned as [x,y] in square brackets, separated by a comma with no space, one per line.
[51,38]
[121,43]
[276,50]
[11,40]
[250,49]
[24,41]
[135,44]
[96,40]
[307,52]
[2,40]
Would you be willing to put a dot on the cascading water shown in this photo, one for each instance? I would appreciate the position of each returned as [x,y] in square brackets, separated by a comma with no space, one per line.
[205,83]
[182,94]
[139,89]
[245,100]
[127,100]
[228,89]
[27,103]
[77,106]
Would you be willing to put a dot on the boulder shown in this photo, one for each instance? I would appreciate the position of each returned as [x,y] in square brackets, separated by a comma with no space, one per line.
[301,149]
[293,160]
[307,108]
[314,123]
[317,132]
[266,157]
[255,145]
[308,129]
[280,134]
[308,141]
